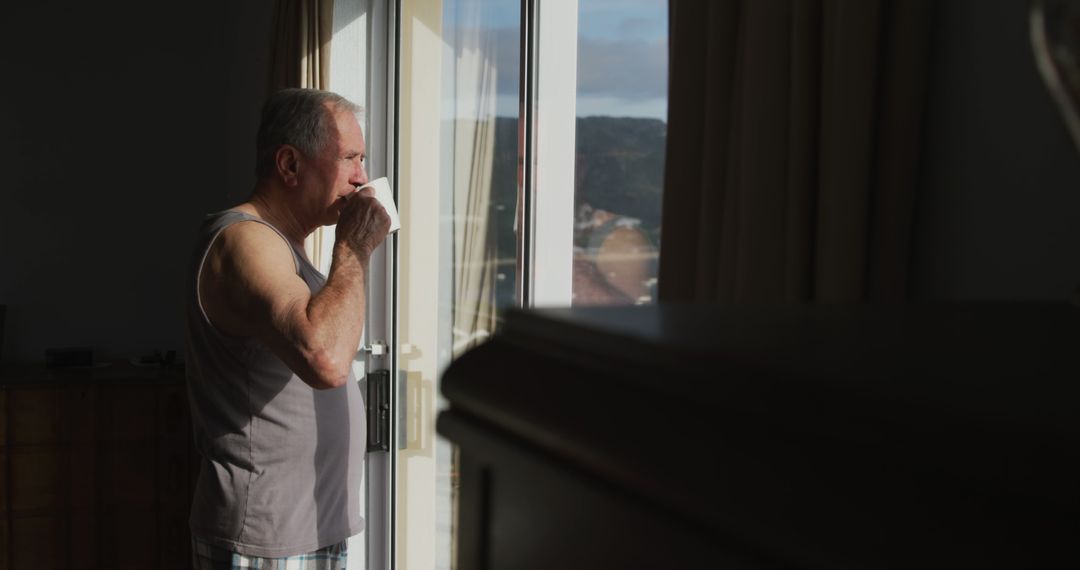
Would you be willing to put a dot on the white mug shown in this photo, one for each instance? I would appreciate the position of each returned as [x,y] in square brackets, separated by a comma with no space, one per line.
[385,195]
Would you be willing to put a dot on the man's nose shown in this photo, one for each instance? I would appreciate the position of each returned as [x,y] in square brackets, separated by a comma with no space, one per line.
[360,177]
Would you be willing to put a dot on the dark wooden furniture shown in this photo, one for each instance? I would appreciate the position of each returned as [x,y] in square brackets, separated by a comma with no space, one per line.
[701,437]
[95,468]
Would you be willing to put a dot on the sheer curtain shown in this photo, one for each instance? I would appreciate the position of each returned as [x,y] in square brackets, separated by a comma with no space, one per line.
[300,57]
[793,139]
[474,313]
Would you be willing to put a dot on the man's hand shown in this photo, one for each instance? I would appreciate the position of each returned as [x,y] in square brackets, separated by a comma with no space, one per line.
[363,223]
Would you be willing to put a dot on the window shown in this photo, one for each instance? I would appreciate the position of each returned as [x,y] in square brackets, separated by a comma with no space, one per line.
[619,167]
[499,178]
[458,261]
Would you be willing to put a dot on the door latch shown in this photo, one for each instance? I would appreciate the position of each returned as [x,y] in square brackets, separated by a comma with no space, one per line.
[377,348]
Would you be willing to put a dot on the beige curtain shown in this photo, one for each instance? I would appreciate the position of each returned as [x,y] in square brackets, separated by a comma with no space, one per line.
[474,141]
[793,131]
[300,57]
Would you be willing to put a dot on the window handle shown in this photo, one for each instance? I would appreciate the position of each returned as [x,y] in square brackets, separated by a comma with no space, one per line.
[378,410]
[377,349]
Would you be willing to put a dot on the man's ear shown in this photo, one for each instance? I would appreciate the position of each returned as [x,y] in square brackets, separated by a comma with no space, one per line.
[287,160]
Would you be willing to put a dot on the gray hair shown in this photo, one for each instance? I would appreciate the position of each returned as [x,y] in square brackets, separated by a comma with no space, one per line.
[302,118]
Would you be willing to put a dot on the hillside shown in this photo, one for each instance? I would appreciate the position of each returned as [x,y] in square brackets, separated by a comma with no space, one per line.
[619,165]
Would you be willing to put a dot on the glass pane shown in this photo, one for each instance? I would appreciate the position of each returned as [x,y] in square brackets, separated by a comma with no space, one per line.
[358,72]
[621,133]
[481,84]
[458,184]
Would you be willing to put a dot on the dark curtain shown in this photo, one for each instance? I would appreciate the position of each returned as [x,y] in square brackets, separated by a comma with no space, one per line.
[300,45]
[793,139]
[300,57]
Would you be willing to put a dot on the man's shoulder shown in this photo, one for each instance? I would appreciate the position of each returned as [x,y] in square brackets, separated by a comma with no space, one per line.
[245,228]
[251,242]
[248,268]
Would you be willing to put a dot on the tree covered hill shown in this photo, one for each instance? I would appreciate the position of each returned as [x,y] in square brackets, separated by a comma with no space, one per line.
[619,165]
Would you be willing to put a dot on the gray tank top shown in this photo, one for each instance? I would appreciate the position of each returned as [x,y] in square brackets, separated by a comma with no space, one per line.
[281,463]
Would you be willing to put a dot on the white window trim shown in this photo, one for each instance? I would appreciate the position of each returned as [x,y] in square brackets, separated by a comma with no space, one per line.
[362,70]
[553,119]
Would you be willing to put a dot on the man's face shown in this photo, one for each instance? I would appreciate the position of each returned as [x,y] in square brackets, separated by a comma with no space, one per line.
[339,170]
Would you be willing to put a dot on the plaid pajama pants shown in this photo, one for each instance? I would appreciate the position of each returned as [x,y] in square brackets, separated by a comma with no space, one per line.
[206,556]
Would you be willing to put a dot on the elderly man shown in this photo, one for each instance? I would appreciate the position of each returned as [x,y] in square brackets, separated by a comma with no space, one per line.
[278,417]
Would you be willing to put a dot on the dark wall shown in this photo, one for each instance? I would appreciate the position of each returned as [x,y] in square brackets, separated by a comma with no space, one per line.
[999,206]
[116,139]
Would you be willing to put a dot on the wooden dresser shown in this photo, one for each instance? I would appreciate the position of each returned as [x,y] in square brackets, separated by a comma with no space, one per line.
[95,467]
[817,437]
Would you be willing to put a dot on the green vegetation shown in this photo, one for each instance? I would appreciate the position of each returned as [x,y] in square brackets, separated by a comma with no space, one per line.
[619,167]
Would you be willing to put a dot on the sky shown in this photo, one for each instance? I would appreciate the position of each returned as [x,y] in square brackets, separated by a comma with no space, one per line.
[622,52]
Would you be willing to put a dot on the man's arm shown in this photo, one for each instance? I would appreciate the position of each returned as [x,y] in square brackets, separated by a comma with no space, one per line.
[250,288]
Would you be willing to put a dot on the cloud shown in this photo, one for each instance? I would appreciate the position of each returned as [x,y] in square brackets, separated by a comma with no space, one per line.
[622,69]
[637,27]
[507,46]
[593,106]
[619,69]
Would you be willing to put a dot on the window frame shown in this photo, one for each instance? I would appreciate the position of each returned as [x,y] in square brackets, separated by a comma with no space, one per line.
[549,102]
